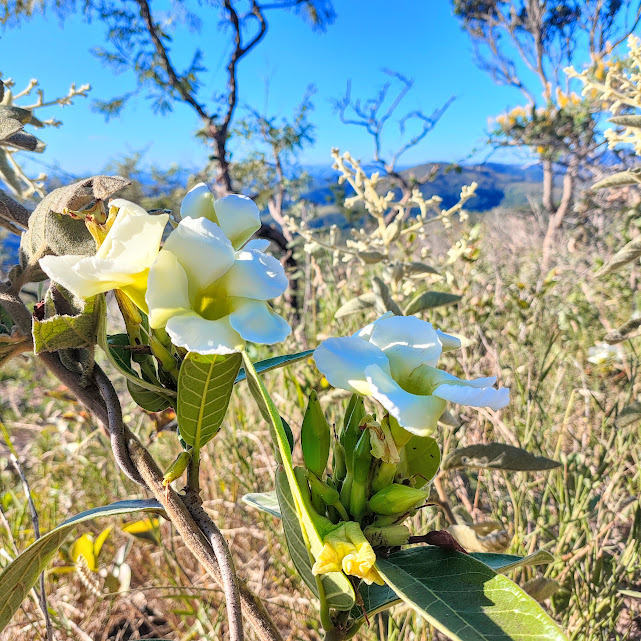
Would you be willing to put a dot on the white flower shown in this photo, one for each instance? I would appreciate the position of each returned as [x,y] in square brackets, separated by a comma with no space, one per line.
[603,354]
[209,295]
[394,361]
[122,260]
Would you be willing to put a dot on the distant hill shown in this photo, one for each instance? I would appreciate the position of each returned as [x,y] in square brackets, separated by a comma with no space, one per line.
[498,184]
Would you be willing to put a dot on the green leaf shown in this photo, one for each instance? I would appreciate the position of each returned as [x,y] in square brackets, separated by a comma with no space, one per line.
[418,269]
[265,502]
[384,301]
[377,598]
[64,332]
[372,257]
[620,179]
[498,456]
[149,400]
[121,360]
[628,415]
[505,562]
[422,458]
[464,598]
[274,363]
[627,120]
[629,252]
[22,573]
[625,332]
[205,384]
[355,305]
[430,300]
[291,500]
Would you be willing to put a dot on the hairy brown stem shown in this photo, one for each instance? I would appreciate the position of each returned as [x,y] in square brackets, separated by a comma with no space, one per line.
[193,502]
[195,540]
[116,426]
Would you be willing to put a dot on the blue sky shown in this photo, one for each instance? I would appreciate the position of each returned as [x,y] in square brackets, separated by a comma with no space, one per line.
[419,38]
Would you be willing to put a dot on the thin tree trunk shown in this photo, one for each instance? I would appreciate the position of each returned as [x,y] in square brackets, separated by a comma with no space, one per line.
[556,217]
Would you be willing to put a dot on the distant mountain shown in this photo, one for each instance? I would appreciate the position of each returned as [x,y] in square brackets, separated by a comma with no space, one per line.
[498,184]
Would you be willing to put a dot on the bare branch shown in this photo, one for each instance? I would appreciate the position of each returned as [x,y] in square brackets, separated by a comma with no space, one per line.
[174,81]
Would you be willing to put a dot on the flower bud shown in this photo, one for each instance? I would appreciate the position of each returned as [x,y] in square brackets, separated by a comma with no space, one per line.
[177,468]
[389,536]
[315,436]
[396,498]
[351,432]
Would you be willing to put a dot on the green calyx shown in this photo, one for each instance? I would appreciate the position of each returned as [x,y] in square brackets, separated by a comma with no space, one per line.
[315,437]
[395,499]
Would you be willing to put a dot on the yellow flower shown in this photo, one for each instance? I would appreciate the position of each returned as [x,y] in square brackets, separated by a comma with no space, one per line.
[346,549]
[562,100]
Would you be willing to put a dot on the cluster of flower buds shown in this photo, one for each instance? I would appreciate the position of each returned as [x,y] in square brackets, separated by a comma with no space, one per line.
[367,494]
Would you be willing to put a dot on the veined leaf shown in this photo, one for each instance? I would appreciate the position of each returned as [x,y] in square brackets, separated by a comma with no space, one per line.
[287,487]
[355,305]
[64,332]
[429,300]
[498,456]
[464,598]
[422,458]
[112,347]
[205,385]
[377,598]
[264,501]
[22,573]
[274,363]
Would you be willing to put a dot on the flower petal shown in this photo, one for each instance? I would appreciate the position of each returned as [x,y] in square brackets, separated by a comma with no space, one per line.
[408,342]
[198,203]
[134,238]
[87,276]
[196,334]
[239,218]
[366,332]
[417,414]
[256,275]
[127,208]
[448,342]
[472,393]
[202,249]
[257,322]
[344,360]
[167,289]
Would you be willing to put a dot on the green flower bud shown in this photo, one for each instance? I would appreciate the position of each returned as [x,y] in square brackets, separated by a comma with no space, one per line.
[385,520]
[327,493]
[395,499]
[384,476]
[362,464]
[362,458]
[351,432]
[315,437]
[390,536]
[177,468]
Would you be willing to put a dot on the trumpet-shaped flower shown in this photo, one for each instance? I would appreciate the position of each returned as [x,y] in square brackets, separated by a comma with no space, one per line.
[122,260]
[346,549]
[394,361]
[210,297]
[236,215]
